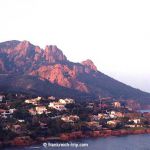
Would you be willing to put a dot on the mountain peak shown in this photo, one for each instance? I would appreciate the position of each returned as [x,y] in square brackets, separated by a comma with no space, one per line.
[25,44]
[89,63]
[9,44]
[54,54]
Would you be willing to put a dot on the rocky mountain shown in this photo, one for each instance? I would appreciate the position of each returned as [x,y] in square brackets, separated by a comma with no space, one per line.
[21,61]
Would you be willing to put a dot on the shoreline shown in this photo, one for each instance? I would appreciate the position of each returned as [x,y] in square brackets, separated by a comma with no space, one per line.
[65,137]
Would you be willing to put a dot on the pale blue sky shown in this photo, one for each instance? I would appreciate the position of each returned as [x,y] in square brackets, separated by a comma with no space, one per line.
[115,34]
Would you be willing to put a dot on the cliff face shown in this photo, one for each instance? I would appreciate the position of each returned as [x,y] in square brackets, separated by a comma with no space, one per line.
[53,55]
[50,63]
[24,58]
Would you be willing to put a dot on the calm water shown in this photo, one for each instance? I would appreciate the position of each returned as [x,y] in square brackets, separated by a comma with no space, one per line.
[147,110]
[130,142]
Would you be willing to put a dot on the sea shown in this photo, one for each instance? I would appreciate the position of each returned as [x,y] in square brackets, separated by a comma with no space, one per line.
[146,110]
[129,142]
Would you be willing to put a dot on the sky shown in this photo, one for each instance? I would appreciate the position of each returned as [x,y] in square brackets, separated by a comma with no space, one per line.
[114,34]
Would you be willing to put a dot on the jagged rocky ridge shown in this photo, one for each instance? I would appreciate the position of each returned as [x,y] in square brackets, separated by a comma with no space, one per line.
[25,60]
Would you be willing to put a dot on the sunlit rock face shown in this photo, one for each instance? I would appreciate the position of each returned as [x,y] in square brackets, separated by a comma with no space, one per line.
[49,63]
[22,58]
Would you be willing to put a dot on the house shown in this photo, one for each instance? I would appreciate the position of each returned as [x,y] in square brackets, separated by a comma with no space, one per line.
[40,109]
[21,120]
[93,125]
[103,116]
[66,101]
[90,105]
[113,123]
[12,110]
[136,120]
[116,104]
[6,114]
[57,105]
[33,101]
[112,114]
[51,98]
[38,98]
[71,118]
[2,97]
[52,104]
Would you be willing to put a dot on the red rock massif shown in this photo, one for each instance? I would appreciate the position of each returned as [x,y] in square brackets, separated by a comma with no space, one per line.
[50,64]
[23,58]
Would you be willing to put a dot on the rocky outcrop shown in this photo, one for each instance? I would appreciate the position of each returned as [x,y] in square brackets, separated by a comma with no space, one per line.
[52,54]
[2,66]
[71,136]
[102,133]
[22,141]
[24,58]
[26,140]
[61,75]
[89,64]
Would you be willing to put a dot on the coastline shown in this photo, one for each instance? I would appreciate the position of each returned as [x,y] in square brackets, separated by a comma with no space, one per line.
[65,137]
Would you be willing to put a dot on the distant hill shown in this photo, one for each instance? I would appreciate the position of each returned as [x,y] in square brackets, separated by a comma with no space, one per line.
[48,72]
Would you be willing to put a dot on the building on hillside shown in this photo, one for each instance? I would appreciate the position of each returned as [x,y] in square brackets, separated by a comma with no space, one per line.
[40,109]
[71,118]
[33,101]
[113,123]
[116,104]
[51,98]
[135,120]
[2,97]
[57,105]
[66,101]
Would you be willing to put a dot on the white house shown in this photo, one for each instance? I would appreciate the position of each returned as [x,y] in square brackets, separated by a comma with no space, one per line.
[12,110]
[66,101]
[40,109]
[1,98]
[33,101]
[57,106]
[116,104]
[71,118]
[136,121]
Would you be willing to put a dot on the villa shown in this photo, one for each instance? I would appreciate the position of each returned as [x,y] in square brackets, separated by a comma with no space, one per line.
[71,118]
[57,105]
[40,109]
[33,101]
[66,101]
[116,104]
[1,98]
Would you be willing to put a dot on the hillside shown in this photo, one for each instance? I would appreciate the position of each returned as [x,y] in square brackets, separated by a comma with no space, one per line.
[49,72]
